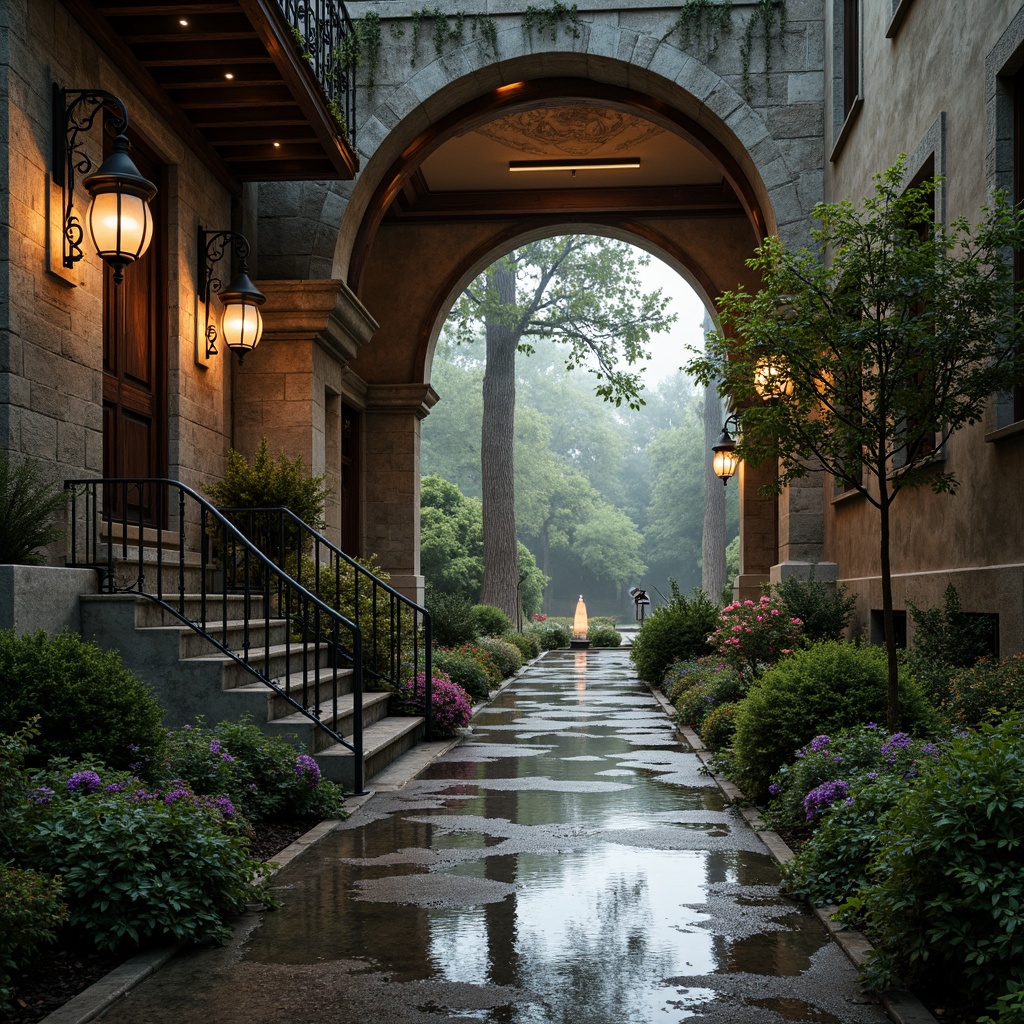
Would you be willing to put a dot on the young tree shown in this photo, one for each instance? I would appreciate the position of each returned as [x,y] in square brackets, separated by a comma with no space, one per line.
[861,358]
[579,290]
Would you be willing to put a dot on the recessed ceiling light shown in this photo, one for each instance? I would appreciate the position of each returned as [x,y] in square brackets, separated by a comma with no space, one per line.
[228,75]
[277,145]
[601,164]
[183,22]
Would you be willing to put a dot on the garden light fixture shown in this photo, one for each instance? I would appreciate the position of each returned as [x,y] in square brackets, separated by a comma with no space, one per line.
[241,323]
[119,218]
[580,625]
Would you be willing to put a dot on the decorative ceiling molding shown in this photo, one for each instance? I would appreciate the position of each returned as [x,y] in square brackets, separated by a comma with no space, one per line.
[575,131]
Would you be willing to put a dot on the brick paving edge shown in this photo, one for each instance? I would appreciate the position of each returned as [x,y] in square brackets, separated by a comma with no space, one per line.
[902,1006]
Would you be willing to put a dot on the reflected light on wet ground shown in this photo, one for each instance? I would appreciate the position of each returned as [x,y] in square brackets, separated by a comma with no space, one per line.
[568,862]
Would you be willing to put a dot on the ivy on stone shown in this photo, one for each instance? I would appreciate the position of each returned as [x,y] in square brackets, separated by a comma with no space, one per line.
[703,23]
[449,28]
[548,20]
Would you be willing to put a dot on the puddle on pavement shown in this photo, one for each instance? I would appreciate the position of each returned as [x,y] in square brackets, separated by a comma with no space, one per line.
[566,863]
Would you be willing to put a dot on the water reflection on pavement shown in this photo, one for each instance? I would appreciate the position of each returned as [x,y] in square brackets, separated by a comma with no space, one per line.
[566,863]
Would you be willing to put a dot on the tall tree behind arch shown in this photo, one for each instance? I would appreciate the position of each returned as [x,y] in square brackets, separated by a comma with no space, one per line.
[582,291]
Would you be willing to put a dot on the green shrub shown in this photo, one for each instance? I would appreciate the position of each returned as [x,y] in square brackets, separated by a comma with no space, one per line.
[825,687]
[506,655]
[452,619]
[719,727]
[985,691]
[485,660]
[263,776]
[679,629]
[139,865]
[28,505]
[31,912]
[372,612]
[264,483]
[833,864]
[945,905]
[603,636]
[526,643]
[710,684]
[88,703]
[490,621]
[465,670]
[822,606]
[946,639]
[551,635]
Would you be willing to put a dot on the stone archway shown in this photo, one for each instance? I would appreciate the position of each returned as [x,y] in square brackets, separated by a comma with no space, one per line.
[405,271]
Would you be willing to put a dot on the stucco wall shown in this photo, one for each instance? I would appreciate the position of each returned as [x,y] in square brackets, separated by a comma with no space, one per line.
[925,90]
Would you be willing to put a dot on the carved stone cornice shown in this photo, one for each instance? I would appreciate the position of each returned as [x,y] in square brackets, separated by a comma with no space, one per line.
[324,311]
[418,399]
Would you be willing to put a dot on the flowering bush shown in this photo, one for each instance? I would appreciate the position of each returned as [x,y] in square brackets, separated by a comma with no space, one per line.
[139,864]
[506,656]
[719,727]
[263,776]
[754,635]
[944,906]
[820,688]
[449,702]
[487,661]
[699,686]
[984,692]
[464,670]
[849,755]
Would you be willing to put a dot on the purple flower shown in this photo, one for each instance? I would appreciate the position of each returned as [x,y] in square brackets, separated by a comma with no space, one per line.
[306,768]
[42,795]
[824,796]
[897,741]
[774,789]
[214,746]
[87,781]
[819,743]
[176,794]
[114,787]
[133,747]
[227,758]
[225,806]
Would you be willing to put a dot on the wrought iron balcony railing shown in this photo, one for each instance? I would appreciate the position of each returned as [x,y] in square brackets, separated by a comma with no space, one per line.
[326,38]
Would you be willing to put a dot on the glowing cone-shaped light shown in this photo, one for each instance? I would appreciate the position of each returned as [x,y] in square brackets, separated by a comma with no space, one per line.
[579,622]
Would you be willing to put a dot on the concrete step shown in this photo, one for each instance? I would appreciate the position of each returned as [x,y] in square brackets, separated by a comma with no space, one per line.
[383,742]
[213,609]
[375,709]
[235,636]
[275,706]
[280,662]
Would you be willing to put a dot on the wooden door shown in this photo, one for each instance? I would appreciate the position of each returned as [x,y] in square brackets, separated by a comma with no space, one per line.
[135,366]
[349,480]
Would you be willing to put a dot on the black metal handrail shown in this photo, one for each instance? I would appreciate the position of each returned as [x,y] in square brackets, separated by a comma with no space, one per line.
[393,626]
[325,35]
[249,590]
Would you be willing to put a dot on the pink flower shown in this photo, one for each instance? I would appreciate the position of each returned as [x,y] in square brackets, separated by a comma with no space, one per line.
[775,611]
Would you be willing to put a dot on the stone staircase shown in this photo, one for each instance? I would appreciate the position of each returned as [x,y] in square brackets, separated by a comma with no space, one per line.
[191,676]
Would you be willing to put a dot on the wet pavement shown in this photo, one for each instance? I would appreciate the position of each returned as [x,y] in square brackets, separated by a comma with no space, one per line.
[566,863]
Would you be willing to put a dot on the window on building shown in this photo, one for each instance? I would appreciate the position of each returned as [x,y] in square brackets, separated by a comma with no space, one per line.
[899,624]
[846,70]
[1018,196]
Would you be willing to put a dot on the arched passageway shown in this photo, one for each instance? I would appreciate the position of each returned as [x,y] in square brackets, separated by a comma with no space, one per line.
[678,164]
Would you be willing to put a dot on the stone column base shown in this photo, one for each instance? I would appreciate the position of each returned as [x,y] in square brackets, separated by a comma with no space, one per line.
[747,586]
[826,572]
[410,586]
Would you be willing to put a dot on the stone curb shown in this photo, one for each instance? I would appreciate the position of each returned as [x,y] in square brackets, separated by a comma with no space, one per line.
[902,1006]
[91,1002]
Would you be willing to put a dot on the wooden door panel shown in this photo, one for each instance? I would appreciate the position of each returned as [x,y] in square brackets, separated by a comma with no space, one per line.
[135,363]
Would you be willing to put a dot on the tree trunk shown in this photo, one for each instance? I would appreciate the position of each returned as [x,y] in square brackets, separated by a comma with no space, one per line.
[713,539]
[501,565]
[892,718]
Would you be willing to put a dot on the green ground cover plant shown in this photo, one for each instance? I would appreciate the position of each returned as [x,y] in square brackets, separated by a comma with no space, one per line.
[29,506]
[984,692]
[944,905]
[140,864]
[263,776]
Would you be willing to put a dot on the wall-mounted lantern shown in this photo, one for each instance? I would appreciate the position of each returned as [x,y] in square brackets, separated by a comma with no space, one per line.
[241,324]
[726,461]
[119,218]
